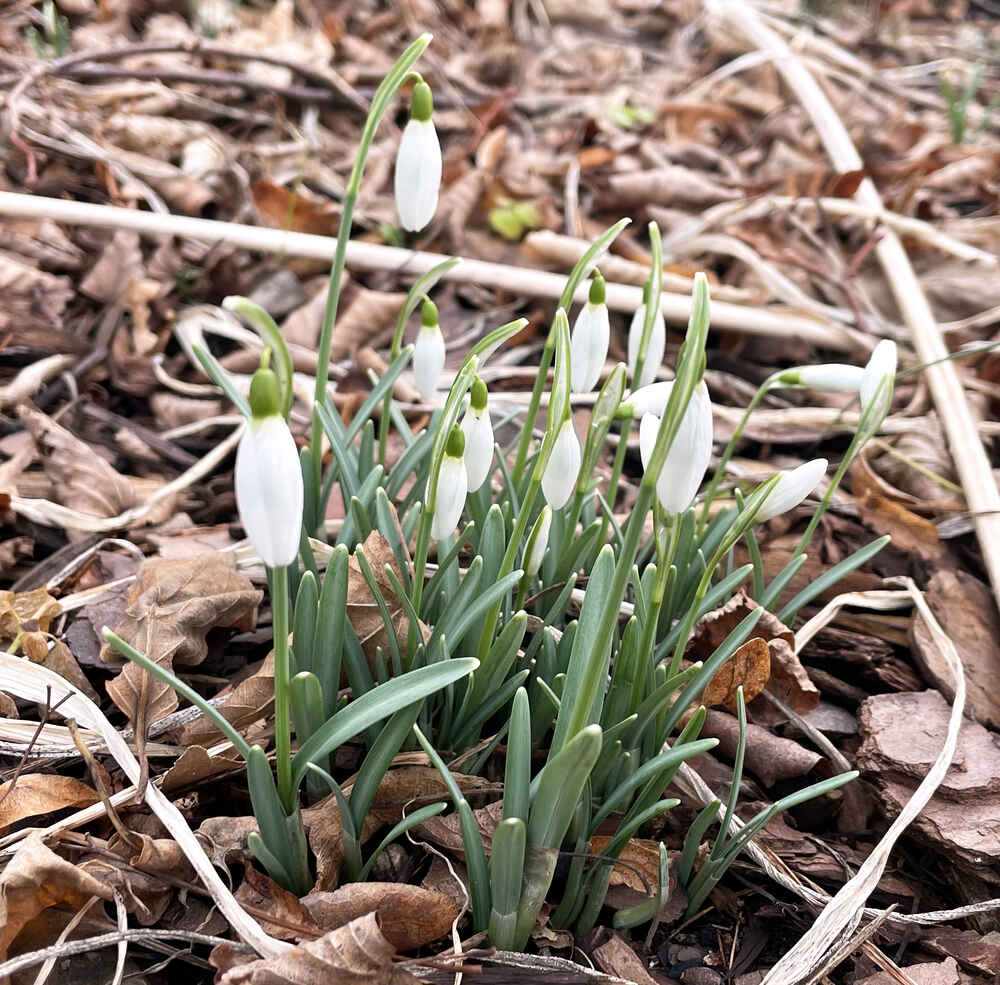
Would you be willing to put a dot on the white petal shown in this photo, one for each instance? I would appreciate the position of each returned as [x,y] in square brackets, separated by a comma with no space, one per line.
[657,346]
[418,174]
[478,431]
[689,454]
[428,360]
[837,377]
[882,364]
[559,477]
[792,488]
[453,485]
[651,399]
[589,347]
[538,542]
[268,482]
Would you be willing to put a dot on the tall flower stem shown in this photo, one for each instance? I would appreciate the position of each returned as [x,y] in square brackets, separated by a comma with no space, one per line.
[386,91]
[282,716]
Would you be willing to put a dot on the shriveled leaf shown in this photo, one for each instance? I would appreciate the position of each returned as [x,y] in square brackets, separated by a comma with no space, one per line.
[82,479]
[250,700]
[59,658]
[409,916]
[292,921]
[194,765]
[32,794]
[299,211]
[749,668]
[170,609]
[26,611]
[35,879]
[355,954]
[618,959]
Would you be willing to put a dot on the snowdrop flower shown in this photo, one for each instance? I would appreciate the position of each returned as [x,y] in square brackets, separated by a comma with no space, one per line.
[478,431]
[691,450]
[881,366]
[452,487]
[428,353]
[418,163]
[268,476]
[657,343]
[791,488]
[589,345]
[538,541]
[559,477]
[836,377]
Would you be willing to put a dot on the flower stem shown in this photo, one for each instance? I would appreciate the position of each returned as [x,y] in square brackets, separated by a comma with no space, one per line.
[282,716]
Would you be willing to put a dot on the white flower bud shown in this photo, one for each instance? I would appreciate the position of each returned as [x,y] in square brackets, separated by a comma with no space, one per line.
[268,483]
[589,345]
[881,366]
[478,431]
[657,346]
[836,377]
[690,451]
[452,488]
[792,487]
[428,352]
[538,541]
[418,164]
[560,475]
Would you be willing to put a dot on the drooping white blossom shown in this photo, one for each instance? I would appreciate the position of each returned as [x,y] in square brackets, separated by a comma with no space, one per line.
[657,345]
[268,477]
[538,540]
[418,164]
[428,352]
[589,343]
[452,488]
[835,377]
[690,452]
[478,430]
[792,487]
[560,475]
[881,366]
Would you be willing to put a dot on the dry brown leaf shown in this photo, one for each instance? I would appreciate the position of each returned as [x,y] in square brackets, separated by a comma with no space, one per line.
[617,958]
[292,922]
[964,607]
[355,954]
[59,658]
[119,264]
[35,879]
[299,211]
[195,765]
[668,186]
[789,680]
[369,318]
[250,700]
[170,609]
[32,794]
[409,916]
[26,611]
[749,667]
[82,480]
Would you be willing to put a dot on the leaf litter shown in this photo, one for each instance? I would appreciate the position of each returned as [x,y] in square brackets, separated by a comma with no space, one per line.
[560,126]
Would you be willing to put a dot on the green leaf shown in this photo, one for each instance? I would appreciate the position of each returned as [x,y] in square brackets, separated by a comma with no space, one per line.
[517,770]
[379,703]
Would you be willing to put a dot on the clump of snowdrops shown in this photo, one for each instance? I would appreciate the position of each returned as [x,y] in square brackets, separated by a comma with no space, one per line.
[553,631]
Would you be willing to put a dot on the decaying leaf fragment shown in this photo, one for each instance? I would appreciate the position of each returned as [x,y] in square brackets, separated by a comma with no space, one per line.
[355,954]
[170,609]
[35,879]
[32,794]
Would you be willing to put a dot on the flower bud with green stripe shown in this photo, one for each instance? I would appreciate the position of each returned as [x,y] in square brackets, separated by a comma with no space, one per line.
[418,163]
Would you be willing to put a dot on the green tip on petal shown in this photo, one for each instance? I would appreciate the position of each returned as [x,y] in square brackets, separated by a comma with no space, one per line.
[478,397]
[429,314]
[265,393]
[456,443]
[422,102]
[597,291]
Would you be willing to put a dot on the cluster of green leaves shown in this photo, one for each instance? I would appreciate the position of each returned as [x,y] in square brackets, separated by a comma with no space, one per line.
[577,671]
[958,100]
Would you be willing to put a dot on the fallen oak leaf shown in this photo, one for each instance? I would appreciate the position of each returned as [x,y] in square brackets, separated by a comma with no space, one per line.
[35,879]
[170,609]
[749,667]
[32,794]
[291,921]
[355,954]
[409,916]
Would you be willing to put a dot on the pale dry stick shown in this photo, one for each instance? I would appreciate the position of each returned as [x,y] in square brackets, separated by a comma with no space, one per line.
[33,682]
[33,377]
[373,256]
[51,514]
[971,462]
[70,948]
[841,207]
